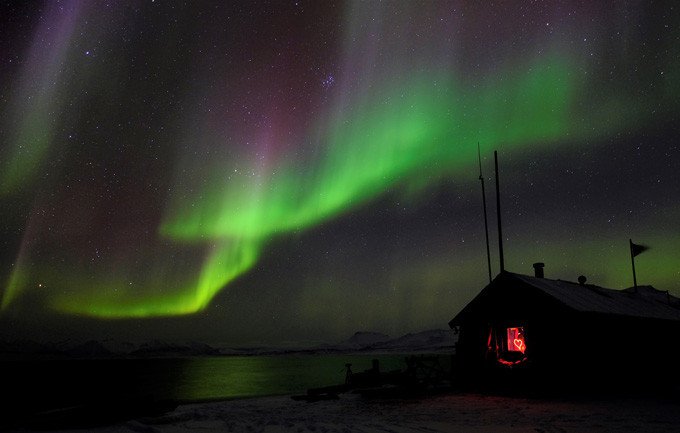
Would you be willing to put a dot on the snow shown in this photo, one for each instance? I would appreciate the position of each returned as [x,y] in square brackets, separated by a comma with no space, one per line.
[363,339]
[442,413]
[430,341]
[425,341]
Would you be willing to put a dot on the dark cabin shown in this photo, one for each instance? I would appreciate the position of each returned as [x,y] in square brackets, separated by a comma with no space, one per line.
[538,331]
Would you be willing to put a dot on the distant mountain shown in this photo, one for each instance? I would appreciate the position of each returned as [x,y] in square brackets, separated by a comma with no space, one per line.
[94,349]
[161,349]
[425,341]
[25,347]
[433,340]
[362,339]
[361,342]
[118,347]
[89,349]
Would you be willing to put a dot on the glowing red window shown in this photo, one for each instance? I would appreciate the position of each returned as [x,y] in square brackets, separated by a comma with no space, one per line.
[516,339]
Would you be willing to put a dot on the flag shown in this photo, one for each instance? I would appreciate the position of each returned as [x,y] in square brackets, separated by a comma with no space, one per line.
[636,249]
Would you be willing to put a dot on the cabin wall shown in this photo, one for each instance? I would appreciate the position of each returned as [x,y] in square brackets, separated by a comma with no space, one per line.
[500,308]
[578,350]
[565,347]
[607,342]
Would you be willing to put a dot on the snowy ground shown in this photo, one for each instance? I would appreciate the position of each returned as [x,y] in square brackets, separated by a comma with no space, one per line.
[443,413]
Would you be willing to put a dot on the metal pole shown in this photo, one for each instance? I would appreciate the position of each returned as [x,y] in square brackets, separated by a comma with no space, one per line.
[498,214]
[632,261]
[486,221]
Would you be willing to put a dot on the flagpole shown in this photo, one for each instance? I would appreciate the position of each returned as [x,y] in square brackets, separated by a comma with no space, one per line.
[632,261]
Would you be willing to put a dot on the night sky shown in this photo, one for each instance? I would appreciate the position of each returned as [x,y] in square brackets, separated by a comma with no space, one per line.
[295,171]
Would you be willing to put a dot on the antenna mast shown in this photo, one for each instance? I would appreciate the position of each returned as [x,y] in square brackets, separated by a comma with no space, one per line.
[486,221]
[498,214]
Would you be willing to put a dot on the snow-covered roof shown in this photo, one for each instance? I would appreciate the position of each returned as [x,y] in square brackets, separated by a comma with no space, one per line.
[645,301]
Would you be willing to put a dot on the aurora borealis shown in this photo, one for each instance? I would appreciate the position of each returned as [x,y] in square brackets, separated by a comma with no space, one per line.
[302,170]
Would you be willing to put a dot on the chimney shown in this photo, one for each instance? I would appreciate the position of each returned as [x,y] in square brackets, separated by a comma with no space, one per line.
[538,269]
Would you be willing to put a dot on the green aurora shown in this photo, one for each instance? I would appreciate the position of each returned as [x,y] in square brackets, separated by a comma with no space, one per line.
[428,125]
[407,134]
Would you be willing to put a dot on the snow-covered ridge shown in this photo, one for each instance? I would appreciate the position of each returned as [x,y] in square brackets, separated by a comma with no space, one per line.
[437,340]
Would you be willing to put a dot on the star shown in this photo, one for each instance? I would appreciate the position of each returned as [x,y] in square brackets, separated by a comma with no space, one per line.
[328,81]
